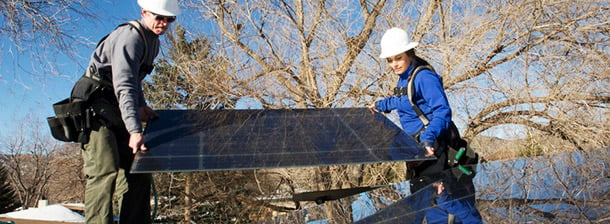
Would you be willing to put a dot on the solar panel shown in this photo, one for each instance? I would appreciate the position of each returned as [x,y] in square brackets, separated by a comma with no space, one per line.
[194,140]
[411,209]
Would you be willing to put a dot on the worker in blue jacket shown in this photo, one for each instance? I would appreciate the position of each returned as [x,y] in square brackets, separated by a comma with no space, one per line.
[430,127]
[428,95]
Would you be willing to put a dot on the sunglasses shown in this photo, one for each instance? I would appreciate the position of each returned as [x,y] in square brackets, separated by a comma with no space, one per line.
[167,19]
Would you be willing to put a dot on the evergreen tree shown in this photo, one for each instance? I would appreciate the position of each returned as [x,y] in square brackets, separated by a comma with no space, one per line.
[8,201]
[191,77]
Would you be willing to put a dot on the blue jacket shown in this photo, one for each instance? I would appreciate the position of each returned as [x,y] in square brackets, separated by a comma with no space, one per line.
[431,99]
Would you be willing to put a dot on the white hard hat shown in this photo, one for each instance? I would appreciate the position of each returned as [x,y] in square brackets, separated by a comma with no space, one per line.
[161,7]
[395,41]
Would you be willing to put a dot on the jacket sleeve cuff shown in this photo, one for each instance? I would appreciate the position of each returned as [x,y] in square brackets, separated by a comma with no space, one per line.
[378,106]
[133,125]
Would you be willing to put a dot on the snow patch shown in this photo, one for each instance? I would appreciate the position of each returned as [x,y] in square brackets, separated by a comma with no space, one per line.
[49,213]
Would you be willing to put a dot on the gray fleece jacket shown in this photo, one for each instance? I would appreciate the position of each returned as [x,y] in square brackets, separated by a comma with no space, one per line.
[119,58]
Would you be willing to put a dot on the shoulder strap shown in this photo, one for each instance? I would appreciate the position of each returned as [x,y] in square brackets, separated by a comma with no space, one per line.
[410,91]
[140,29]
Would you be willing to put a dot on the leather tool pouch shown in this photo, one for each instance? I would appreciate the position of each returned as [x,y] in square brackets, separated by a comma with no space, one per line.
[73,115]
[70,121]
[459,153]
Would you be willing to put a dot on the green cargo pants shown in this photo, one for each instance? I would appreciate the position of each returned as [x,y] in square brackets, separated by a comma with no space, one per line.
[107,159]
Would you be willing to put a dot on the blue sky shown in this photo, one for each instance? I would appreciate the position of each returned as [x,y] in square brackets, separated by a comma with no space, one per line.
[29,93]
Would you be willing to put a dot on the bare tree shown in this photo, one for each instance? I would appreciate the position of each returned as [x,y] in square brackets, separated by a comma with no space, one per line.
[294,54]
[67,182]
[43,29]
[27,157]
[569,187]
[535,64]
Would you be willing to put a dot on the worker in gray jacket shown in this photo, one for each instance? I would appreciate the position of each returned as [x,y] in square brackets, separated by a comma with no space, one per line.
[112,86]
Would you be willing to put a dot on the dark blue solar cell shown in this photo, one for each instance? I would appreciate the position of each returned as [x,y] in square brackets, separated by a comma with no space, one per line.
[192,140]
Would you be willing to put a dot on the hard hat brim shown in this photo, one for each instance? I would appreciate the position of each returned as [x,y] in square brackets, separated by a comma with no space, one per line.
[398,50]
[165,13]
[163,8]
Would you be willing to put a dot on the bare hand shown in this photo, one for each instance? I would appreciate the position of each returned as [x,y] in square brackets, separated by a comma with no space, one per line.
[373,108]
[429,151]
[439,187]
[136,142]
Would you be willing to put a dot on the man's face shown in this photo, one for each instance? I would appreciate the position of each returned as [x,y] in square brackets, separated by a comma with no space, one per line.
[399,63]
[157,23]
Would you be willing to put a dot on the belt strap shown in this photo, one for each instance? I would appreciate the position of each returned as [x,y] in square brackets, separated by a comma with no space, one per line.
[92,74]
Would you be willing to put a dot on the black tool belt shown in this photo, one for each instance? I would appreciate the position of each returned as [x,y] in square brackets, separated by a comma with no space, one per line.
[73,115]
[93,86]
